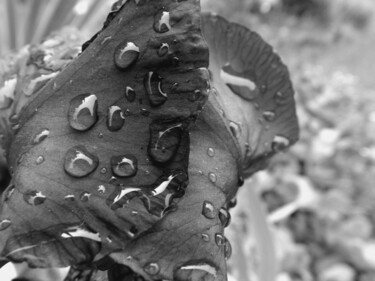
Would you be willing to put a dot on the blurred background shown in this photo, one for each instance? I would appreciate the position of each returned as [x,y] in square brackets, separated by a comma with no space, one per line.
[311,214]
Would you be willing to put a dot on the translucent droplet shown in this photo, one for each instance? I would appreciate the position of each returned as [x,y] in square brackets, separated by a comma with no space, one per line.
[153,86]
[205,237]
[152,268]
[219,239]
[211,152]
[235,129]
[4,224]
[130,94]
[84,197]
[269,116]
[161,22]
[212,177]
[115,118]
[164,140]
[101,189]
[79,162]
[163,50]
[34,198]
[280,143]
[126,54]
[103,170]
[124,165]
[39,160]
[41,136]
[83,112]
[224,217]
[227,249]
[208,210]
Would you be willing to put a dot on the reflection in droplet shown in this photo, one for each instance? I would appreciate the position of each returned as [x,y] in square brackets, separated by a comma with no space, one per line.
[41,136]
[39,160]
[126,54]
[130,94]
[115,118]
[163,50]
[124,165]
[161,22]
[83,112]
[211,152]
[219,239]
[224,217]
[4,224]
[212,177]
[208,210]
[279,143]
[152,268]
[34,198]
[79,162]
[153,85]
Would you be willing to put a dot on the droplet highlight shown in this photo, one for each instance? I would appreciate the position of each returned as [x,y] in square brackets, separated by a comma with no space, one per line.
[208,210]
[153,85]
[124,165]
[115,118]
[79,162]
[126,54]
[83,112]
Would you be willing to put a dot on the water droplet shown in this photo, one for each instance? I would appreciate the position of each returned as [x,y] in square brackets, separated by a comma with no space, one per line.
[101,189]
[34,198]
[224,217]
[130,94]
[200,271]
[20,158]
[41,136]
[153,86]
[227,249]
[126,54]
[211,152]
[16,127]
[7,93]
[83,112]
[212,177]
[269,116]
[144,112]
[164,140]
[100,135]
[232,203]
[239,85]
[219,239]
[79,162]
[106,39]
[13,118]
[152,268]
[69,197]
[208,210]
[280,98]
[4,224]
[279,143]
[235,129]
[85,196]
[9,192]
[163,50]
[241,181]
[39,160]
[161,22]
[113,180]
[124,165]
[103,170]
[175,61]
[195,96]
[205,237]
[115,118]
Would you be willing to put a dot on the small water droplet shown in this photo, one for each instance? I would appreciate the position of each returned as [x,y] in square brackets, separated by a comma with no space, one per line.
[161,22]
[41,136]
[83,112]
[103,170]
[4,224]
[39,160]
[195,96]
[20,158]
[163,50]
[280,98]
[175,61]
[232,203]
[153,85]
[235,129]
[126,53]
[124,165]
[269,116]
[241,181]
[115,118]
[101,189]
[113,180]
[211,152]
[130,94]
[201,270]
[212,177]
[34,198]
[100,135]
[224,217]
[9,192]
[13,118]
[208,210]
[16,127]
[106,39]
[152,268]
[219,239]
[227,249]
[279,143]
[79,162]
[205,237]
[85,196]
[69,197]
[144,112]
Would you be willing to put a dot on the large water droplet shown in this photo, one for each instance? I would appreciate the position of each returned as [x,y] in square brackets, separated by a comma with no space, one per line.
[212,177]
[279,143]
[153,85]
[130,94]
[224,217]
[79,162]
[4,224]
[83,112]
[124,165]
[164,140]
[161,22]
[115,118]
[41,136]
[211,152]
[208,210]
[269,116]
[126,54]
[152,268]
[163,50]
[227,249]
[219,239]
[34,198]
